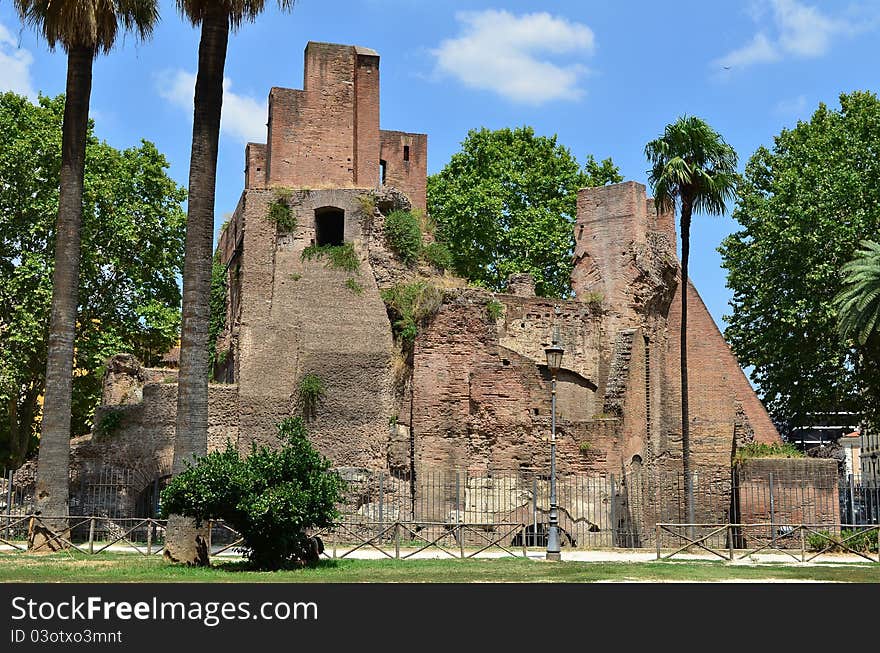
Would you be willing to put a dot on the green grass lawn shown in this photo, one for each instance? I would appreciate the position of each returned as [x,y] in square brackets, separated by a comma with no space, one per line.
[120,567]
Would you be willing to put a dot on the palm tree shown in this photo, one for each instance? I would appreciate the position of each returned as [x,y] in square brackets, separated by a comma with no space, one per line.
[184,542]
[694,167]
[859,302]
[858,306]
[83,28]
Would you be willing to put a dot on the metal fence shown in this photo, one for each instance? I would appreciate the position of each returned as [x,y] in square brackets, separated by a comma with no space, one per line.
[454,510]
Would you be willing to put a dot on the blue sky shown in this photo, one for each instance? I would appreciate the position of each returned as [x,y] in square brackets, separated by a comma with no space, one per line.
[606,77]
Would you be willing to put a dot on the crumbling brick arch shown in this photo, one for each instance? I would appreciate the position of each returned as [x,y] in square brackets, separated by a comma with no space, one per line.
[329,225]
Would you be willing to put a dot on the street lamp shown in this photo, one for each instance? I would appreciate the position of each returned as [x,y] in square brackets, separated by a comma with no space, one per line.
[554,362]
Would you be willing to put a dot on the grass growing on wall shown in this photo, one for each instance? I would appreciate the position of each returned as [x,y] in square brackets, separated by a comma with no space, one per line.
[761,450]
[410,304]
[280,212]
[339,257]
[311,391]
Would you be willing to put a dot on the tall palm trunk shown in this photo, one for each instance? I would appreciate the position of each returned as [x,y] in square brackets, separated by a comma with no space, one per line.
[184,542]
[686,209]
[54,456]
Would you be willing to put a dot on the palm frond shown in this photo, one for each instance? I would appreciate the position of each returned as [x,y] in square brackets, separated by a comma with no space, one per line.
[92,24]
[238,11]
[691,161]
[858,304]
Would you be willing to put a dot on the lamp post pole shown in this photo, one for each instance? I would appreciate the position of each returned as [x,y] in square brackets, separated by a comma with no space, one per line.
[554,362]
[553,552]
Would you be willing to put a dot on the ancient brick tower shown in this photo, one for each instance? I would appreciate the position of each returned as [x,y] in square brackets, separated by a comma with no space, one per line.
[472,393]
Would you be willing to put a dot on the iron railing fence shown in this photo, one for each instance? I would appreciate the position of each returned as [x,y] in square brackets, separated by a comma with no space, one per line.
[595,511]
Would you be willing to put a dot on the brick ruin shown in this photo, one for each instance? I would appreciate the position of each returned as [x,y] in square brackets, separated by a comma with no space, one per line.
[472,395]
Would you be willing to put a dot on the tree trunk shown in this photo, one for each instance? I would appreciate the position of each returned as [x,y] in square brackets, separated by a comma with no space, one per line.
[686,209]
[53,461]
[184,542]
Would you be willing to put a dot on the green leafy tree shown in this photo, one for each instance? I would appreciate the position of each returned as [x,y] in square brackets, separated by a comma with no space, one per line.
[692,167]
[271,497]
[506,203]
[804,206]
[859,307]
[83,28]
[132,251]
[191,431]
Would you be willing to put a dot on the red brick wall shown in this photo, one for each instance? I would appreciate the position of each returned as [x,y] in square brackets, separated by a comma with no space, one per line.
[716,382]
[407,176]
[255,165]
[366,119]
[804,491]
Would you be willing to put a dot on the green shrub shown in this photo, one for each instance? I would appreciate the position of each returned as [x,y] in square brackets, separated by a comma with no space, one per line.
[410,304]
[311,392]
[595,298]
[271,497]
[404,235]
[761,450]
[863,540]
[585,448]
[339,257]
[280,212]
[494,309]
[438,255]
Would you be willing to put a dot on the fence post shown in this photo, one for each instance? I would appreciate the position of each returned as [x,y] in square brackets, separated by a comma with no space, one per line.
[803,544]
[460,539]
[9,505]
[381,500]
[397,540]
[534,511]
[852,500]
[772,527]
[613,516]
[91,534]
[657,528]
[458,499]
[730,542]
[149,537]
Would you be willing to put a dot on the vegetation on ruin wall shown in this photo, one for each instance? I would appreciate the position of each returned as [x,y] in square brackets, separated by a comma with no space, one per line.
[409,305]
[761,450]
[271,496]
[404,235]
[132,252]
[506,203]
[219,295]
[805,205]
[310,393]
[280,213]
[338,257]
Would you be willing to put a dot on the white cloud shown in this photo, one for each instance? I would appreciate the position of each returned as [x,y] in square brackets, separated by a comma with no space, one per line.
[243,117]
[15,66]
[500,52]
[760,50]
[798,30]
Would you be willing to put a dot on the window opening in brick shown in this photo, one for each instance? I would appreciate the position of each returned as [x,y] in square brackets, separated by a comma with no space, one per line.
[383,170]
[329,226]
[406,152]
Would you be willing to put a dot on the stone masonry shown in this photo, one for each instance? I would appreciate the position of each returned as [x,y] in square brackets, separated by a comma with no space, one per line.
[472,392]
